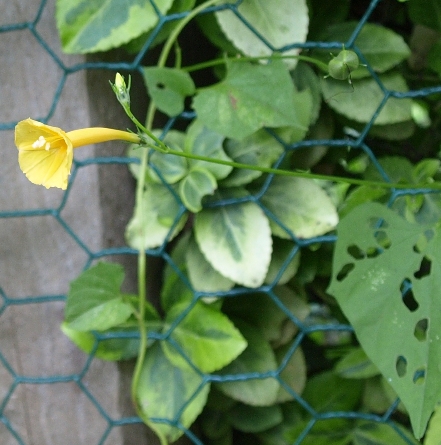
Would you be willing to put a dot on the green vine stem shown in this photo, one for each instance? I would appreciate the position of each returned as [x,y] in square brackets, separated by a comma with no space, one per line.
[305,174]
[142,260]
[223,60]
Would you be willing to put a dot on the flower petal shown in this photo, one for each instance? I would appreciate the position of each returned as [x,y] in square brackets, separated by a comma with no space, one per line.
[45,153]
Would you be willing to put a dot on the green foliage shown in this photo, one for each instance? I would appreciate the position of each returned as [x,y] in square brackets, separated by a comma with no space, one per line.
[236,241]
[165,389]
[94,302]
[87,27]
[433,434]
[281,26]
[244,101]
[301,206]
[369,273]
[168,88]
[207,337]
[382,48]
[361,102]
[251,285]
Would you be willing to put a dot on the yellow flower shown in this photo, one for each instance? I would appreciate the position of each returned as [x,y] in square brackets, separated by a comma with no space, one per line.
[45,153]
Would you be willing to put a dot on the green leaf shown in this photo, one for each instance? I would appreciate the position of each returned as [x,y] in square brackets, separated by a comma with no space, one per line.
[95,302]
[361,101]
[433,433]
[168,88]
[307,81]
[255,419]
[301,205]
[152,222]
[374,433]
[361,195]
[202,275]
[282,249]
[236,241]
[215,424]
[164,390]
[426,12]
[257,357]
[282,25]
[202,141]
[324,432]
[167,167]
[393,132]
[397,169]
[212,31]
[176,288]
[434,57]
[198,183]
[206,336]
[136,45]
[382,48]
[89,26]
[375,399]
[329,392]
[323,14]
[306,157]
[262,312]
[293,374]
[356,365]
[392,267]
[260,148]
[113,349]
[162,167]
[276,435]
[245,101]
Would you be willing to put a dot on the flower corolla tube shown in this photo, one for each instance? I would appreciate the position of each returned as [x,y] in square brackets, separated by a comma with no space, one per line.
[45,153]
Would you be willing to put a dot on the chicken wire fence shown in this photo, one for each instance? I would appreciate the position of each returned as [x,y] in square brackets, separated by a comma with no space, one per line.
[17,379]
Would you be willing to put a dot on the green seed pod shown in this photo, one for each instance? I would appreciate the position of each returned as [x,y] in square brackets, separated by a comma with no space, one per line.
[341,66]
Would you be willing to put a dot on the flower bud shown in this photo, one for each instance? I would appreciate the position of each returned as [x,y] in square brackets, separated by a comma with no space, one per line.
[121,90]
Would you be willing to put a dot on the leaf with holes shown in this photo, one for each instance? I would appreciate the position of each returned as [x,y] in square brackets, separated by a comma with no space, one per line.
[87,27]
[386,278]
[168,88]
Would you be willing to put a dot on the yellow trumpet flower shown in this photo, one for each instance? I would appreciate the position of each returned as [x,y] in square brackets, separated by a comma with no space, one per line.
[45,153]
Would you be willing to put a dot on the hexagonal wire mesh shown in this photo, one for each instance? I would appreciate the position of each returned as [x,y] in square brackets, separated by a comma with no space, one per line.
[13,381]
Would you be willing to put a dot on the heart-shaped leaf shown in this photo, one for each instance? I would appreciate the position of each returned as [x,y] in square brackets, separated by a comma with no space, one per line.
[386,278]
